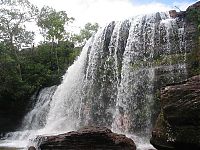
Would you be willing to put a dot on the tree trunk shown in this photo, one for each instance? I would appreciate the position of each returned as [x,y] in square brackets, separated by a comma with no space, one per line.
[14,49]
[57,62]
[56,55]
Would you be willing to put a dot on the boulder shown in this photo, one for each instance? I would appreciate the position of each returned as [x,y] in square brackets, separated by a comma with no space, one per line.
[88,138]
[178,125]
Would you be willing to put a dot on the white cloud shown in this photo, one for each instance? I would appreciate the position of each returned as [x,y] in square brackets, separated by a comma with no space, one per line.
[103,11]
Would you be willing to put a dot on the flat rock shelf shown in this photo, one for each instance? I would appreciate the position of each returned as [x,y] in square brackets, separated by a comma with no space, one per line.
[88,138]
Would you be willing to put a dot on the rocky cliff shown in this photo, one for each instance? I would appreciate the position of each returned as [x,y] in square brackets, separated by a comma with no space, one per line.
[178,125]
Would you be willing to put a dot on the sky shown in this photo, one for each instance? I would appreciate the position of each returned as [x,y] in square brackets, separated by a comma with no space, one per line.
[167,2]
[105,11]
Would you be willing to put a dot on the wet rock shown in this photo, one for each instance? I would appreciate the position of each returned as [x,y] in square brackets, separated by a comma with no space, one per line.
[31,148]
[181,14]
[178,125]
[94,138]
[173,13]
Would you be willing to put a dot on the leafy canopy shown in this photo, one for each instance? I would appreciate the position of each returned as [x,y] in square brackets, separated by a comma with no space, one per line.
[53,23]
[85,33]
[13,16]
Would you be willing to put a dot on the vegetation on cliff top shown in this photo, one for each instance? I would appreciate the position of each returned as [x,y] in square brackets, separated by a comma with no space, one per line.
[193,16]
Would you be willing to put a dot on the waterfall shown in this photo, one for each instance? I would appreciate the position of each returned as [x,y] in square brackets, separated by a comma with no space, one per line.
[113,82]
[34,120]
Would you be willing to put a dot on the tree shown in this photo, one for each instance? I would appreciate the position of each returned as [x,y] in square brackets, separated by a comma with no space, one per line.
[85,33]
[37,73]
[52,24]
[13,16]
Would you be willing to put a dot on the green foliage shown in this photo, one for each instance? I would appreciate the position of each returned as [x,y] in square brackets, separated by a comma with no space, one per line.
[13,16]
[39,67]
[53,23]
[85,33]
[193,15]
[25,71]
[38,70]
[194,62]
[13,91]
[88,30]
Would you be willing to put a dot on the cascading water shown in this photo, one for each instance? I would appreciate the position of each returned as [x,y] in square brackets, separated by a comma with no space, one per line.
[33,121]
[114,80]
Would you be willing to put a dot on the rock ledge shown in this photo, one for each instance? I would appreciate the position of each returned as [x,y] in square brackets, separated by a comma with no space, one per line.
[88,138]
[178,125]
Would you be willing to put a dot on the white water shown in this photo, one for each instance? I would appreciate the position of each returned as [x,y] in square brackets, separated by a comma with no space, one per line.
[111,83]
[32,122]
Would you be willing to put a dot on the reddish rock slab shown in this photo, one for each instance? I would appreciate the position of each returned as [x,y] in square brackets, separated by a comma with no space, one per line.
[88,138]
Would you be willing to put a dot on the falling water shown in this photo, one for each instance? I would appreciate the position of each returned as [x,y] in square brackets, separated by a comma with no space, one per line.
[113,81]
[33,121]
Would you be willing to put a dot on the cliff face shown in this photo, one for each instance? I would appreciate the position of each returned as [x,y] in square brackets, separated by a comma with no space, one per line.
[189,54]
[192,21]
[178,126]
